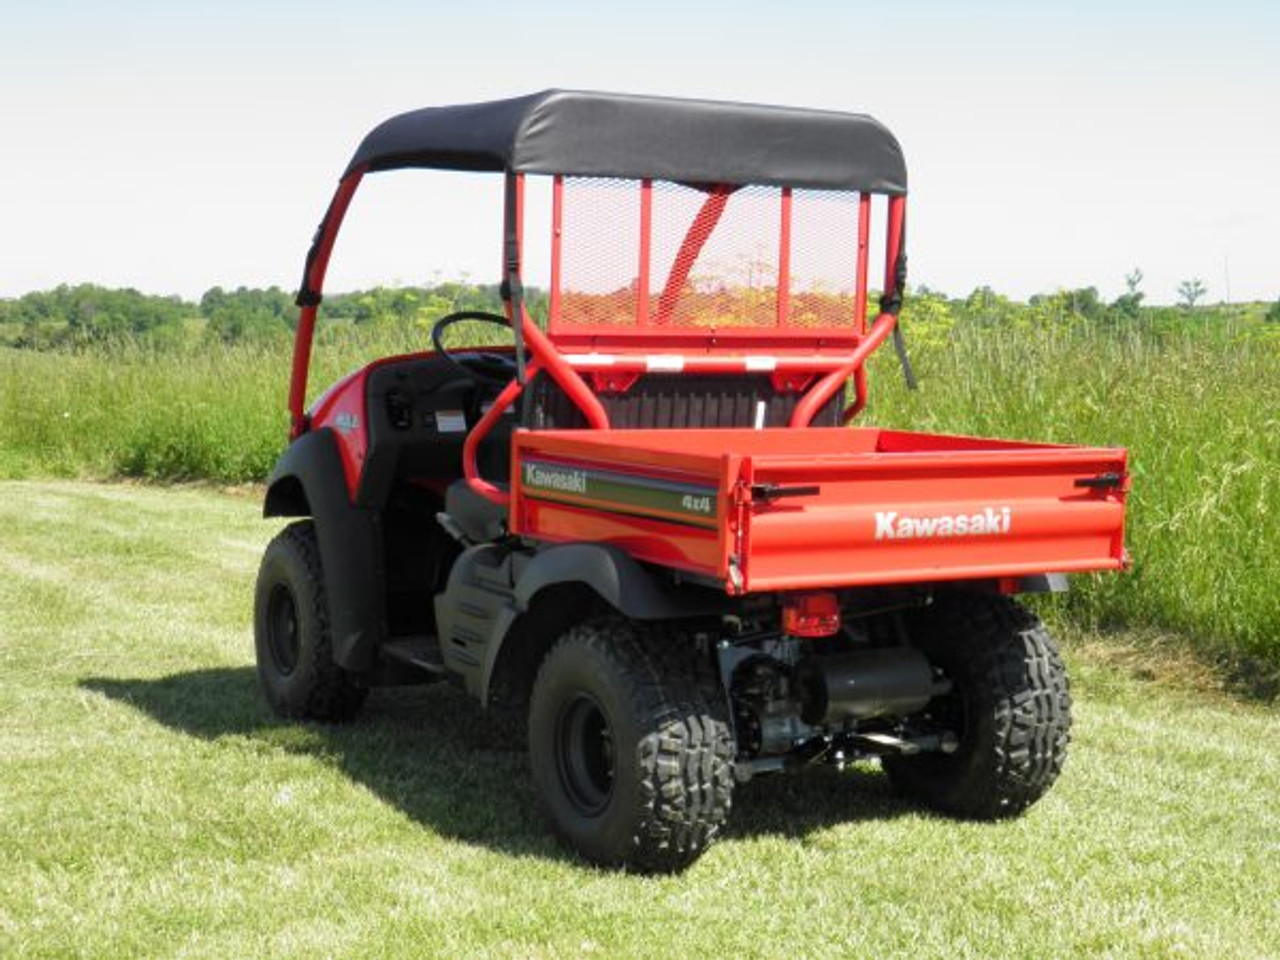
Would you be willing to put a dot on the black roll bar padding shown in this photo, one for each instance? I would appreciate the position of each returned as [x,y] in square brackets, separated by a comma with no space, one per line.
[512,290]
[308,297]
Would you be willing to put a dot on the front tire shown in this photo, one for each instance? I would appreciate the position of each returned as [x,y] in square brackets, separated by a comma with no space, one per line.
[296,669]
[1010,705]
[630,746]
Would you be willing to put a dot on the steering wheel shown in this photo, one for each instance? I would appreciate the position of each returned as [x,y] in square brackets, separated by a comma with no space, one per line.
[491,367]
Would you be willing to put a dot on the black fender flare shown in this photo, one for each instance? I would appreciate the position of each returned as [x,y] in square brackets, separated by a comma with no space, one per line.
[308,480]
[613,575]
[619,580]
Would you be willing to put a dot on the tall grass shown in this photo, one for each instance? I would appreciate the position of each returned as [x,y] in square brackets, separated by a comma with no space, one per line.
[129,409]
[1200,415]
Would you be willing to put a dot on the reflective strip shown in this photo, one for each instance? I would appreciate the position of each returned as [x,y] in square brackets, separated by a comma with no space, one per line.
[761,363]
[591,359]
[669,363]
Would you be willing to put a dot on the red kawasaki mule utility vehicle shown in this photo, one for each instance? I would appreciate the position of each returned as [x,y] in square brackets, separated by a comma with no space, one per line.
[646,525]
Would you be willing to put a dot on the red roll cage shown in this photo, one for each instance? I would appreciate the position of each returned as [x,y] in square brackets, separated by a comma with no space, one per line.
[587,358]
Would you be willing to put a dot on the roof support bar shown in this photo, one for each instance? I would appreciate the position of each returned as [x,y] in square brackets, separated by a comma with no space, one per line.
[646,252]
[784,260]
[512,289]
[885,324]
[309,296]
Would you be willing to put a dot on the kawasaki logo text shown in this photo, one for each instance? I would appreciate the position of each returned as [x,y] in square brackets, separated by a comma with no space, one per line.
[890,525]
[566,481]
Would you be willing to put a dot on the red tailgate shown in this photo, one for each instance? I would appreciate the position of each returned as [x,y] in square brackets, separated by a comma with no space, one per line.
[763,510]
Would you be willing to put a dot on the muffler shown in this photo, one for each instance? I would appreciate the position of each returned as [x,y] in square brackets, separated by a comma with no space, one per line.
[862,684]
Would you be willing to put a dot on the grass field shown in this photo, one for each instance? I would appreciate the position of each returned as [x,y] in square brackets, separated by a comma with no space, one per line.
[150,806]
[1200,416]
[1198,408]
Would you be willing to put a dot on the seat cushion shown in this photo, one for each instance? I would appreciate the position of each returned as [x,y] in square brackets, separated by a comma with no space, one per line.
[478,518]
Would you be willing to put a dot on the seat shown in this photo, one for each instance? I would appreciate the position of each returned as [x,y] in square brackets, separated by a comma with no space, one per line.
[476,518]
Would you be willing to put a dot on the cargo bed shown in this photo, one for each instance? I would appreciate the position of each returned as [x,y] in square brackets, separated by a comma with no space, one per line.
[779,509]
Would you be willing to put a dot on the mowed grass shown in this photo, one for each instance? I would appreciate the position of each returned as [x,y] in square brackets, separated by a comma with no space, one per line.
[150,806]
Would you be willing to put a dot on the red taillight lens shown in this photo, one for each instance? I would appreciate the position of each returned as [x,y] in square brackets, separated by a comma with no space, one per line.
[811,614]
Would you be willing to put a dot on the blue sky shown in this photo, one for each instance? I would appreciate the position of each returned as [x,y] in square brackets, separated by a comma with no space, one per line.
[174,146]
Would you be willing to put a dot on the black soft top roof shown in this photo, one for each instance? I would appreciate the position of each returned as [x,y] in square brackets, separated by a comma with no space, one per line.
[581,133]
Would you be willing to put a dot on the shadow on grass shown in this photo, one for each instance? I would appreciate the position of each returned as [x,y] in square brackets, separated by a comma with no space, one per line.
[432,753]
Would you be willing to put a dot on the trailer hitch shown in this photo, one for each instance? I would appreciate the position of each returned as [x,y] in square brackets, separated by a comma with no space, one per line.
[839,749]
[889,744]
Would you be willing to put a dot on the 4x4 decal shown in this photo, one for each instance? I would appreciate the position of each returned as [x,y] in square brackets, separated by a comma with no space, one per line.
[624,492]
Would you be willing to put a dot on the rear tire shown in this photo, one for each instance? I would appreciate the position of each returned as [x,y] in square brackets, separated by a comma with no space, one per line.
[630,746]
[1010,706]
[296,670]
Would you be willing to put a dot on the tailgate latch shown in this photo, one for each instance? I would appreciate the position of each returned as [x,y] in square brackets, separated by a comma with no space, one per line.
[1103,481]
[776,491]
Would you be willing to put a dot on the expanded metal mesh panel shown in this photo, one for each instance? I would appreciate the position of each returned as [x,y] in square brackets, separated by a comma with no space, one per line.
[824,259]
[715,257]
[704,258]
[600,252]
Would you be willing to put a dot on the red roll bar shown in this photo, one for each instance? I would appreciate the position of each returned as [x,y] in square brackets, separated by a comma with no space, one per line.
[311,294]
[826,388]
[545,357]
[309,297]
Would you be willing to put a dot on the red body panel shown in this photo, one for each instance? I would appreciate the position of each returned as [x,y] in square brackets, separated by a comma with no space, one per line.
[342,409]
[805,509]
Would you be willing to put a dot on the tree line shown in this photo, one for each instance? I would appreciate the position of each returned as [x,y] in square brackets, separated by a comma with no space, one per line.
[87,314]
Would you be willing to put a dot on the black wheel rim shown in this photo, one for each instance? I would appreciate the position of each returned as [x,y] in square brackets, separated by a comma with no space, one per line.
[585,754]
[282,629]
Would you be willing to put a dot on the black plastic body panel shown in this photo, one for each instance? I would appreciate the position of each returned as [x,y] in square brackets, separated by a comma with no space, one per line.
[350,538]
[491,588]
[665,401]
[620,581]
[418,413]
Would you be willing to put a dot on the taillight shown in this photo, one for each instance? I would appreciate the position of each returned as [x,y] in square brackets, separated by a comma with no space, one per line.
[811,614]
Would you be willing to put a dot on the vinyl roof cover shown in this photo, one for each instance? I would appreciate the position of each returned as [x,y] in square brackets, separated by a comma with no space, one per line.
[579,133]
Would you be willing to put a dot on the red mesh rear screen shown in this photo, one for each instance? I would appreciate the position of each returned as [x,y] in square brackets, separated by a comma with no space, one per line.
[732,281]
[824,259]
[600,252]
[714,257]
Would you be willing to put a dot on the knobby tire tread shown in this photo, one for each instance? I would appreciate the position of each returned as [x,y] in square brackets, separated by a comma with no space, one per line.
[331,693]
[1018,714]
[685,754]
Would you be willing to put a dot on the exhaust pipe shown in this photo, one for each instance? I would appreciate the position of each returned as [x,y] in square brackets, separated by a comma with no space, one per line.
[863,684]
